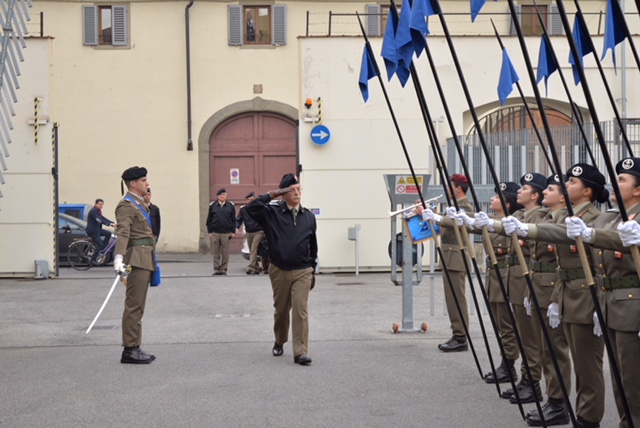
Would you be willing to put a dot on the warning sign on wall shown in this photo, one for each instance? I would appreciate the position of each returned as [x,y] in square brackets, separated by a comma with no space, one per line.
[406,185]
[234,176]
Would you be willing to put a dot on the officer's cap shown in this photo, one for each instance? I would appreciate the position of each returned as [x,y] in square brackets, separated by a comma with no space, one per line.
[288,180]
[221,191]
[629,166]
[507,188]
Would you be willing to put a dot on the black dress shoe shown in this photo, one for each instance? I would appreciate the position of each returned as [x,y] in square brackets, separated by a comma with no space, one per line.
[455,344]
[527,392]
[146,354]
[134,356]
[554,412]
[277,350]
[502,373]
[302,359]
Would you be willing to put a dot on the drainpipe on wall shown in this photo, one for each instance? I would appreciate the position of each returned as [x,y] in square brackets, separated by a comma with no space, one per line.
[187,31]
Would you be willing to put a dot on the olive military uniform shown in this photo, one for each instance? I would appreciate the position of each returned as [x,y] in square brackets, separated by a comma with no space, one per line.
[576,307]
[136,243]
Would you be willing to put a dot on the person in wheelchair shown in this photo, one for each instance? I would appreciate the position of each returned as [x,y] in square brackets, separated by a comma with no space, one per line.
[95,220]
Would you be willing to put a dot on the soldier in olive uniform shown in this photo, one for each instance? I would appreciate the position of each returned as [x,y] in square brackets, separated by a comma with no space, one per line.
[617,278]
[530,197]
[135,248]
[501,245]
[571,300]
[543,267]
[452,258]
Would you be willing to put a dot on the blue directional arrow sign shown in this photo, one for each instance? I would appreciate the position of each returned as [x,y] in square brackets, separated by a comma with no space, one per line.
[320,135]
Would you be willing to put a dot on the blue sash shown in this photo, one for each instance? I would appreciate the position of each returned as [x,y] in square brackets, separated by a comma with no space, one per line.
[155,276]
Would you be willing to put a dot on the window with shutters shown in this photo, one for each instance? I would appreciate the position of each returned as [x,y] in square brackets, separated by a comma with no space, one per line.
[105,25]
[530,22]
[257,25]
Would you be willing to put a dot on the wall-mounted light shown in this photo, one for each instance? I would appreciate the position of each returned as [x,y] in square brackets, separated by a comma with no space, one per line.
[308,103]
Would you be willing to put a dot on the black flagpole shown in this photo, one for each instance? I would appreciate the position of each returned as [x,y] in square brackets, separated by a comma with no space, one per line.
[395,122]
[503,202]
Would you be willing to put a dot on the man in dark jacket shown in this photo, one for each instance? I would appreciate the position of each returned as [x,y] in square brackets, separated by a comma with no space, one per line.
[95,220]
[293,250]
[154,213]
[254,237]
[221,225]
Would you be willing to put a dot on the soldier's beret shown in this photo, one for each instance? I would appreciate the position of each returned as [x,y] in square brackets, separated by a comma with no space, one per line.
[589,174]
[629,166]
[134,173]
[553,179]
[288,180]
[534,179]
[221,191]
[459,179]
[250,195]
[508,188]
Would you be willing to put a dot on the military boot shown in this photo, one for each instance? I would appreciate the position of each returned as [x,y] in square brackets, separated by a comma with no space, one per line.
[502,373]
[455,344]
[554,412]
[527,392]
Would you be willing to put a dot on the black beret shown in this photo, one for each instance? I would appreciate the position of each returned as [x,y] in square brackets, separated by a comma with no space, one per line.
[508,188]
[288,180]
[553,179]
[221,191]
[134,173]
[629,166]
[589,174]
[250,195]
[534,179]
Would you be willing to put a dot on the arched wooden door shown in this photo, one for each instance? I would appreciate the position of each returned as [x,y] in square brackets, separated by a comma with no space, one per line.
[251,152]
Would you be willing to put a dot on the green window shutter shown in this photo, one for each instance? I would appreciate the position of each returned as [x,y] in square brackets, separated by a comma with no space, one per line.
[90,25]
[234,15]
[119,26]
[373,21]
[279,24]
[512,28]
[555,23]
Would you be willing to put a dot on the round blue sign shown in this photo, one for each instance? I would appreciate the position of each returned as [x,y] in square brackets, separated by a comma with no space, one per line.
[320,135]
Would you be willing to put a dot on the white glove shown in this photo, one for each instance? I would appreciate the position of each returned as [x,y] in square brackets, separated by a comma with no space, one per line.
[527,305]
[512,224]
[452,213]
[469,222]
[553,313]
[576,227]
[596,325]
[629,232]
[482,220]
[428,215]
[118,265]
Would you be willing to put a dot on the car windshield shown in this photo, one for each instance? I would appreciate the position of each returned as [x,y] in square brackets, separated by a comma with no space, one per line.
[62,224]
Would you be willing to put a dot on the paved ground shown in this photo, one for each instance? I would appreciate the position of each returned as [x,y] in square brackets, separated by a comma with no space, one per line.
[212,337]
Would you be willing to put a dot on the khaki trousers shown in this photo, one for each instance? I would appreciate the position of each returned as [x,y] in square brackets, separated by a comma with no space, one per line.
[458,281]
[291,293]
[503,320]
[587,350]
[220,249]
[253,241]
[561,350]
[529,342]
[626,346]
[134,303]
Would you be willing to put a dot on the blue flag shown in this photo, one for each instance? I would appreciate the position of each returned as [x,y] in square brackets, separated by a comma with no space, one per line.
[404,43]
[368,70]
[581,38]
[476,7]
[614,31]
[389,52]
[418,24]
[546,64]
[508,76]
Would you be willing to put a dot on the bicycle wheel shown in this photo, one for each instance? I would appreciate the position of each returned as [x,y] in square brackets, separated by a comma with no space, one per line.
[80,253]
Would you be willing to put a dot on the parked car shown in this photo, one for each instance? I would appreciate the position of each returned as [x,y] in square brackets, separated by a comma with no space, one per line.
[70,229]
[80,211]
